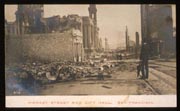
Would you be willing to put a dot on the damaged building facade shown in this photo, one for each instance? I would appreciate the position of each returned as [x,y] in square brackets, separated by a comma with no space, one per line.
[157,25]
[84,31]
[30,20]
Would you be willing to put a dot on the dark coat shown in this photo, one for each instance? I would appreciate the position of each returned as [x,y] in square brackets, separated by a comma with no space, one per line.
[145,51]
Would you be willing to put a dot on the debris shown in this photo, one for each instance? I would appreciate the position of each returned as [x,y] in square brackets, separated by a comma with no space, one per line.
[51,77]
[31,75]
[107,87]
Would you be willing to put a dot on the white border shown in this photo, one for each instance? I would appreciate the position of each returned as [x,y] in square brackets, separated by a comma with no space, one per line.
[92,101]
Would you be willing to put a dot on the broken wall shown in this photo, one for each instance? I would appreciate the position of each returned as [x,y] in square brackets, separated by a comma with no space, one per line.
[46,47]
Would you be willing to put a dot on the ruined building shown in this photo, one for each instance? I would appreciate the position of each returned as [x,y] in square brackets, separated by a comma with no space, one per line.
[29,19]
[82,32]
[65,23]
[32,36]
[157,25]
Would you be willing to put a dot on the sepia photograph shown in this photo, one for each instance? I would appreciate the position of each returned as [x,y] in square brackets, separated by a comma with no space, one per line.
[90,55]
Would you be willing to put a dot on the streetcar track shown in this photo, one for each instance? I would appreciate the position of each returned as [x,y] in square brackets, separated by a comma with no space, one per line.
[161,78]
[162,65]
[164,72]
[161,70]
[152,88]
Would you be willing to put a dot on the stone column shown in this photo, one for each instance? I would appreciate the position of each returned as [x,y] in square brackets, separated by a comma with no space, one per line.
[95,37]
[83,30]
[97,43]
[92,35]
[89,36]
[85,37]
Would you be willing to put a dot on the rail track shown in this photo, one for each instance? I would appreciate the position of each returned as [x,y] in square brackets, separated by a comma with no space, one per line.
[163,65]
[155,92]
[172,75]
[168,79]
[165,77]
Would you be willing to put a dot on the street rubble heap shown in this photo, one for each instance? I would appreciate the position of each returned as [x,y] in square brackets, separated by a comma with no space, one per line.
[28,77]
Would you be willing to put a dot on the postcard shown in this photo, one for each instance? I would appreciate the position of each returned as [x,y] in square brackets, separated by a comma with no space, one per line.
[90,55]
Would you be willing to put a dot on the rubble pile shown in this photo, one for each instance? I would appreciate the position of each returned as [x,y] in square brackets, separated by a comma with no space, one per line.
[32,75]
[124,66]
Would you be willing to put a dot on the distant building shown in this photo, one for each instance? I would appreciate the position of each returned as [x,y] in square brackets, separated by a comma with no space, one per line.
[100,47]
[132,46]
[106,45]
[127,39]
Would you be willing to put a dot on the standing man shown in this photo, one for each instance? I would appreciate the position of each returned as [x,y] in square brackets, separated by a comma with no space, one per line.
[144,57]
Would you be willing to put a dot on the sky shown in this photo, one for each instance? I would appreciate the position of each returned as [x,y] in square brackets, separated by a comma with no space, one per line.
[111,19]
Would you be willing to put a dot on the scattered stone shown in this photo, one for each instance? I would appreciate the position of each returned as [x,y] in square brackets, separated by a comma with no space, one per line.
[107,87]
